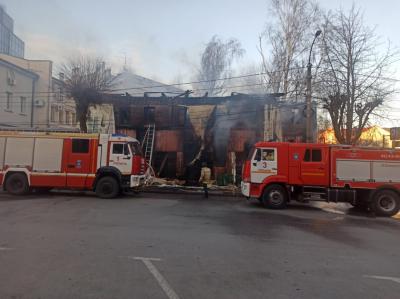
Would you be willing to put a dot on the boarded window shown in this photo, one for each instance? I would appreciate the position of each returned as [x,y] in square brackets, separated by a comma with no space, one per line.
[180,117]
[124,117]
[80,146]
[149,115]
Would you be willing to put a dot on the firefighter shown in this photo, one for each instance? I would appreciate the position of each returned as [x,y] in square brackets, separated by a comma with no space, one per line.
[268,155]
[205,178]
[264,155]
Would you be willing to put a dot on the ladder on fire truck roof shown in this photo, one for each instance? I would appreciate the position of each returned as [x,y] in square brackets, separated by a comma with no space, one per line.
[148,143]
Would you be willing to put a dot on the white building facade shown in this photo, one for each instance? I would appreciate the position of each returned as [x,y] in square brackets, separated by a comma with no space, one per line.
[52,109]
[17,95]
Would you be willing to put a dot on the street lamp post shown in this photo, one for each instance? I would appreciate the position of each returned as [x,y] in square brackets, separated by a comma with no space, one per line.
[309,130]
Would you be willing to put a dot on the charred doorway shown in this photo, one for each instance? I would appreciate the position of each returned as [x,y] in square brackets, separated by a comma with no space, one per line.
[149,115]
[166,164]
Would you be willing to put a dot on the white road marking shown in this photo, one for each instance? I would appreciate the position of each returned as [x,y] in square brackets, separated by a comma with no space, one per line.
[157,275]
[332,210]
[5,248]
[145,258]
[394,279]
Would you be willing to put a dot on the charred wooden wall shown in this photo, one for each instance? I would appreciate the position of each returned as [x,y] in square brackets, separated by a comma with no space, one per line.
[133,114]
[238,123]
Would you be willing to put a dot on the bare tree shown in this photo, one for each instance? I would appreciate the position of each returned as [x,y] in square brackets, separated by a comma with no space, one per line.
[284,45]
[352,83]
[216,62]
[249,82]
[86,81]
[323,122]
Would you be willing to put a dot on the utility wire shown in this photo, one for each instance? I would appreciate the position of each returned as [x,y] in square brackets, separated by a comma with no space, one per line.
[185,83]
[189,117]
[218,79]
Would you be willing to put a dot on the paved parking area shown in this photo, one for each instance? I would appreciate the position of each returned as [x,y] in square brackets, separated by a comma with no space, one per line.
[179,246]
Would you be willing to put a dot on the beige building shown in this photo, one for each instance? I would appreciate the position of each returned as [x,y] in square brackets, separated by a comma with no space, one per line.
[17,93]
[51,108]
[101,119]
[62,108]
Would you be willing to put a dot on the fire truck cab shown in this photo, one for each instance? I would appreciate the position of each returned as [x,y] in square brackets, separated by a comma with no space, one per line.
[104,163]
[278,172]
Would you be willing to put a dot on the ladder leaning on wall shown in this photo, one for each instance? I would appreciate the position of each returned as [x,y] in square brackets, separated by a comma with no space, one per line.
[148,143]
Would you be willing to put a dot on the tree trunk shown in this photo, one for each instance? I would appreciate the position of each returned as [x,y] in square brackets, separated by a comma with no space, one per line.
[82,122]
[82,112]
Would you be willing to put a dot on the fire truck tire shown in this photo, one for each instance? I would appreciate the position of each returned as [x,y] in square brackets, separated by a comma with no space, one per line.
[275,197]
[107,187]
[42,190]
[362,200]
[360,204]
[385,203]
[17,184]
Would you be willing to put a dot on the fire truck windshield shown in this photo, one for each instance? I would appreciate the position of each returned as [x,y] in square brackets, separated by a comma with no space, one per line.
[135,148]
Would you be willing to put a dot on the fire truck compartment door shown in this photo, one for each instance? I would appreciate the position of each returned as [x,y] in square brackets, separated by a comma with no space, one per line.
[314,167]
[78,162]
[121,157]
[264,163]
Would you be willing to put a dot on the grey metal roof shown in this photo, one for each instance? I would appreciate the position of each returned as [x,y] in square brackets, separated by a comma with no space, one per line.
[136,85]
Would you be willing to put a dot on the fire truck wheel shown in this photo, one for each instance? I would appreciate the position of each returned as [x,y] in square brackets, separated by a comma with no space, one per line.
[360,204]
[42,190]
[17,184]
[107,187]
[385,203]
[274,197]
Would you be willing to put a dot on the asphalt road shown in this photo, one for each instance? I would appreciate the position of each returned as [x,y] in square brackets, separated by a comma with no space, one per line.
[79,246]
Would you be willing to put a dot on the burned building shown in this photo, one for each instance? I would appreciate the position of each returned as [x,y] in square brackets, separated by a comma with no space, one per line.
[179,133]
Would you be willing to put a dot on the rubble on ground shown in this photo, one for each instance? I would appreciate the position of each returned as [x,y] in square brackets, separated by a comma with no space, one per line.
[176,185]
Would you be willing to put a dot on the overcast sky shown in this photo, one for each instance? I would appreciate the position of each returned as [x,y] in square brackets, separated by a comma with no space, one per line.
[161,39]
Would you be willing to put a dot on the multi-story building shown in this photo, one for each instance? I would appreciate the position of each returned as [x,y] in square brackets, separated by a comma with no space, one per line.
[10,44]
[17,93]
[217,130]
[187,131]
[62,108]
[52,109]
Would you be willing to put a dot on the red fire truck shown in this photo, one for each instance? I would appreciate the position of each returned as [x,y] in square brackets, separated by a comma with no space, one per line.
[277,173]
[104,163]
